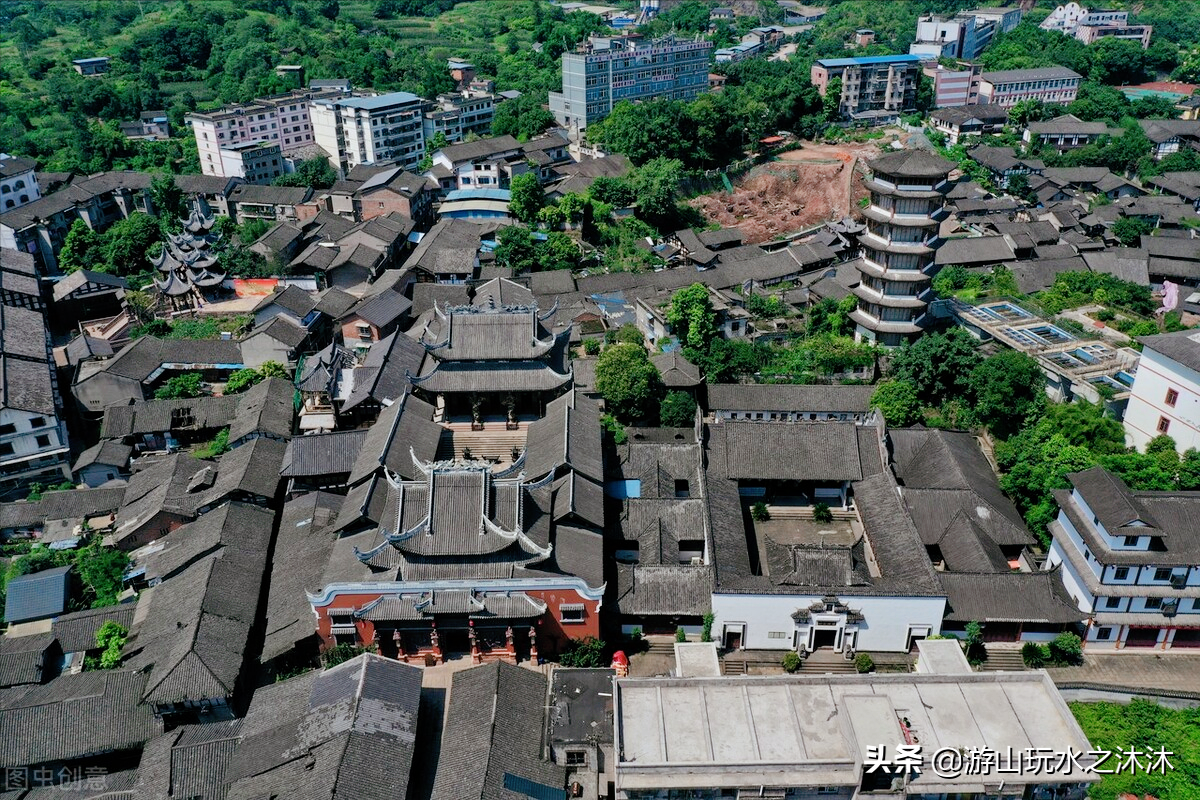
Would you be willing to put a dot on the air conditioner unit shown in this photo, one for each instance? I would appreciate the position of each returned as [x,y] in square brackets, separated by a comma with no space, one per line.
[1178,581]
[1170,607]
[697,561]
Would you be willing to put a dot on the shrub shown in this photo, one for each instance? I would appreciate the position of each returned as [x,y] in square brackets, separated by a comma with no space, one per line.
[791,661]
[759,512]
[340,653]
[706,630]
[636,634]
[974,647]
[1066,648]
[821,513]
[864,663]
[110,638]
[680,635]
[587,652]
[1106,315]
[591,347]
[1034,655]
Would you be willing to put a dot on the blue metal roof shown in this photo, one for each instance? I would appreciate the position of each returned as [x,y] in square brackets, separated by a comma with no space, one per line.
[849,62]
[380,101]
[532,789]
[37,596]
[479,194]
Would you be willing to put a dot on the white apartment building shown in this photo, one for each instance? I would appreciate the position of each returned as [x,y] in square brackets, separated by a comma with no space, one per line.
[282,120]
[1131,560]
[18,185]
[255,162]
[371,130]
[1089,25]
[1165,398]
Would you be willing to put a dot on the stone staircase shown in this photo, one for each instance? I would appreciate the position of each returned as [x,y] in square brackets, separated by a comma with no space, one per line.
[495,444]
[1003,659]
[661,647]
[827,662]
[731,666]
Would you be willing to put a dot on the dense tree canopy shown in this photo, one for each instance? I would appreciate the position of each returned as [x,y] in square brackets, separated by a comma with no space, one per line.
[629,383]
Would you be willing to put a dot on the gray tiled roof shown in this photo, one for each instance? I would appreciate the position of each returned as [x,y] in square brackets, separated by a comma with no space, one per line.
[670,589]
[75,716]
[323,453]
[282,329]
[1038,74]
[975,251]
[1182,347]
[27,659]
[494,727]
[404,427]
[237,531]
[76,632]
[788,397]
[1037,597]
[107,453]
[155,416]
[381,309]
[912,163]
[345,732]
[384,374]
[676,371]
[826,451]
[144,355]
[568,434]
[69,504]
[302,553]
[190,761]
[266,408]
[197,629]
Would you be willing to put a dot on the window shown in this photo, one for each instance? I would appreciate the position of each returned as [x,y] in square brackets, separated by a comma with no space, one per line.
[1112,602]
[682,489]
[571,612]
[1104,634]
[576,758]
[1153,603]
[364,333]
[1163,424]
[1172,397]
[6,449]
[777,634]
[43,440]
[1129,541]
[7,429]
[1162,574]
[1122,573]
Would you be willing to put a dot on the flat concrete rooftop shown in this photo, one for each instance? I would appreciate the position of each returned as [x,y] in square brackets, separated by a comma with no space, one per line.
[693,733]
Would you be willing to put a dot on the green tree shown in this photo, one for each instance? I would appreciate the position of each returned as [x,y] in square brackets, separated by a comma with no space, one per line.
[83,248]
[1007,388]
[615,191]
[273,369]
[899,403]
[559,251]
[692,317]
[101,570]
[523,117]
[938,365]
[678,410]
[1018,186]
[110,639]
[242,380]
[527,197]
[515,249]
[128,243]
[168,202]
[831,103]
[315,172]
[186,385]
[628,382]
[1130,230]
[656,186]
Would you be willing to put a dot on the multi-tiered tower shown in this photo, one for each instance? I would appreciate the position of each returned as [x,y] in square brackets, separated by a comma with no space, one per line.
[908,191]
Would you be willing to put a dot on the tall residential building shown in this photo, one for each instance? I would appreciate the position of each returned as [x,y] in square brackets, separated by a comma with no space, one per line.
[606,71]
[281,119]
[386,128]
[908,190]
[1130,560]
[874,88]
[1048,84]
[1165,398]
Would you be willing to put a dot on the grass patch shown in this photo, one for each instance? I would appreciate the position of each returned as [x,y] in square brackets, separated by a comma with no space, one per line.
[1147,727]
